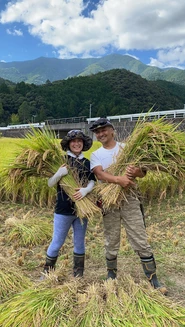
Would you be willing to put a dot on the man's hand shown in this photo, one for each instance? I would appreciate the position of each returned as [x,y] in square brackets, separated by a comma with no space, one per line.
[133,172]
[124,181]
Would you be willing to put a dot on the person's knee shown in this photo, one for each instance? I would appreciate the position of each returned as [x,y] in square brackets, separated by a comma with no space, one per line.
[144,253]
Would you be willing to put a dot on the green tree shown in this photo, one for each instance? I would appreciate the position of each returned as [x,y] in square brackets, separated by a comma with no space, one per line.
[41,115]
[24,112]
[2,120]
[4,88]
[14,118]
[1,110]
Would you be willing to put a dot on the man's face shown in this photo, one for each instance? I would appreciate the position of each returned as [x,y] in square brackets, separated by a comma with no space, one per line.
[104,134]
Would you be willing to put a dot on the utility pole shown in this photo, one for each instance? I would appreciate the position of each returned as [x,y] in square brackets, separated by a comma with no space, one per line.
[90,110]
[33,118]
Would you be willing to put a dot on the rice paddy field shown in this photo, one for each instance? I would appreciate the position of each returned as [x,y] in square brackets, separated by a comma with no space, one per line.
[61,300]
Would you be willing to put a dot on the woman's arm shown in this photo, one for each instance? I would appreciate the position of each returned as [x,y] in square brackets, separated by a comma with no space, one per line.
[83,191]
[62,171]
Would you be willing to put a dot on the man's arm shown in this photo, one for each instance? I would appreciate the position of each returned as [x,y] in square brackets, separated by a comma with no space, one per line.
[102,175]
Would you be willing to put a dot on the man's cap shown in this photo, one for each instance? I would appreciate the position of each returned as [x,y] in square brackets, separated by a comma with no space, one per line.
[76,134]
[101,122]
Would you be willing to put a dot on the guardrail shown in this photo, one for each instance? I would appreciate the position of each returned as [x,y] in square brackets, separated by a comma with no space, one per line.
[23,126]
[179,113]
[79,119]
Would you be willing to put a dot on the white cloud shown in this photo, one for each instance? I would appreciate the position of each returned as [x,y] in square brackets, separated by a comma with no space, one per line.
[14,32]
[135,57]
[174,57]
[119,24]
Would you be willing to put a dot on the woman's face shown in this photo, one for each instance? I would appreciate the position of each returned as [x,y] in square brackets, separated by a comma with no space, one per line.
[76,146]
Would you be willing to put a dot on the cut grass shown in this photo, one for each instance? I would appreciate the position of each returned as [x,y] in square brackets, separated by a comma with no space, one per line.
[28,232]
[77,304]
[12,279]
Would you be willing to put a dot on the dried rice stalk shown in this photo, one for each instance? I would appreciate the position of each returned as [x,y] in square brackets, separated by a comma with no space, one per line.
[28,232]
[110,303]
[156,146]
[41,156]
[12,279]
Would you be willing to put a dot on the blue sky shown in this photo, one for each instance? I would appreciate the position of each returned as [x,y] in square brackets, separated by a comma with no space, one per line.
[152,31]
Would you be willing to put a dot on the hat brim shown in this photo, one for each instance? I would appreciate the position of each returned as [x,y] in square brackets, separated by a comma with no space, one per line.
[94,128]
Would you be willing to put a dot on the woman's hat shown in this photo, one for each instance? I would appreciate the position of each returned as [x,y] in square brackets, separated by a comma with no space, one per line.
[76,134]
[101,122]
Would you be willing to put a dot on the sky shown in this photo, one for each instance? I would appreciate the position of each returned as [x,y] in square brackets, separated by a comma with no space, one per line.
[152,31]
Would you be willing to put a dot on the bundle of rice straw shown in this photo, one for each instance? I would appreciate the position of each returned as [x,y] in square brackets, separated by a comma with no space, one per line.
[41,156]
[156,146]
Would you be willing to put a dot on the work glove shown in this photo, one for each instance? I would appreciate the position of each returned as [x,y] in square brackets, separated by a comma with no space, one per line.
[83,191]
[62,171]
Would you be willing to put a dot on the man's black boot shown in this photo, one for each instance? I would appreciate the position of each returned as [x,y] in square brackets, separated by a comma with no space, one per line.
[149,267]
[111,268]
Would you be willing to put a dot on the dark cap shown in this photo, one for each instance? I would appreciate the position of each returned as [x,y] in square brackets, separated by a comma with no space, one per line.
[101,122]
[76,134]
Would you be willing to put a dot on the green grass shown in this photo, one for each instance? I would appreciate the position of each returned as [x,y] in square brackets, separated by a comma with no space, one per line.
[8,147]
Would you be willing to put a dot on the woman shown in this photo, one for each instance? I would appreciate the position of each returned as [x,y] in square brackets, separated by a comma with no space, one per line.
[64,216]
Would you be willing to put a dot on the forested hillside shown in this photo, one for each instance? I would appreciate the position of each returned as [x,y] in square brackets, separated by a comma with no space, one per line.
[114,92]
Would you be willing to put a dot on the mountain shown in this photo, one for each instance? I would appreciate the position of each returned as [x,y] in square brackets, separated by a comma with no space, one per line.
[43,69]
[113,92]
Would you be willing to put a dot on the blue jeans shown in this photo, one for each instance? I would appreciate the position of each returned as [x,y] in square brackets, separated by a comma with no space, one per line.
[61,228]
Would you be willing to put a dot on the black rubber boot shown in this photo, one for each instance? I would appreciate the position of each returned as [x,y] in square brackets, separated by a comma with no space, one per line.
[111,268]
[149,267]
[78,268]
[50,264]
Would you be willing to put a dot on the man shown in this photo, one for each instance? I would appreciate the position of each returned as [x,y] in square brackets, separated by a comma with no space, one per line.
[129,212]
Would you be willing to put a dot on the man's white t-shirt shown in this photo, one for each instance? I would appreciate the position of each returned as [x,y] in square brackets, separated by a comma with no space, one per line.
[105,157]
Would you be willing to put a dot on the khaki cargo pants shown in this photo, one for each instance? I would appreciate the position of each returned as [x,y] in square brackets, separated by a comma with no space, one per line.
[131,217]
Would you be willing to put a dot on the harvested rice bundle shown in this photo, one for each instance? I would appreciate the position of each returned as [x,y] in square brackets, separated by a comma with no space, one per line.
[12,279]
[122,303]
[155,146]
[39,306]
[28,232]
[110,303]
[90,307]
[144,306]
[159,185]
[41,156]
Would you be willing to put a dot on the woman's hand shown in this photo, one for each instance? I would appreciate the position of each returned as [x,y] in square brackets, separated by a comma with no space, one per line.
[83,191]
[79,194]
